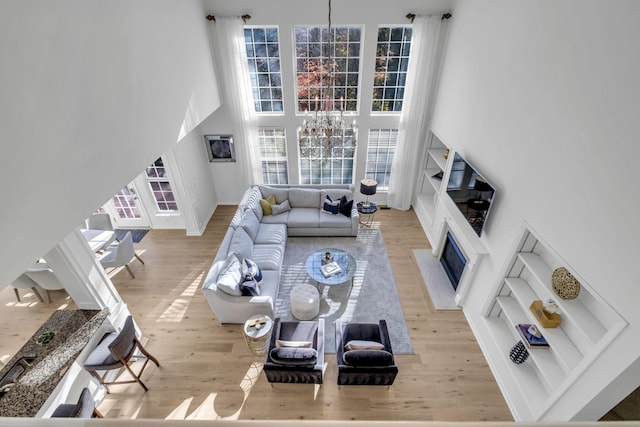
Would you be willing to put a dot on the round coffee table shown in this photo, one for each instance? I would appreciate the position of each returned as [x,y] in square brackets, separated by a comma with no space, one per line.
[344,259]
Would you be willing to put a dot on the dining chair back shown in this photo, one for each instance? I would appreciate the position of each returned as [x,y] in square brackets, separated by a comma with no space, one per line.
[120,254]
[45,278]
[100,221]
[115,351]
[85,407]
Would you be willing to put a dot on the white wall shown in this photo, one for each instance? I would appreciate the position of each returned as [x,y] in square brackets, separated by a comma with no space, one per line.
[91,92]
[543,100]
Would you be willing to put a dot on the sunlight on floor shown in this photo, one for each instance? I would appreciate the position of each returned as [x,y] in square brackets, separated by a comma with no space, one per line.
[207,409]
[178,308]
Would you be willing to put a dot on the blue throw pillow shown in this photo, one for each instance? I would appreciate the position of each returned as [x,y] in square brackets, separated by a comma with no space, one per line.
[251,271]
[250,288]
[331,206]
[345,207]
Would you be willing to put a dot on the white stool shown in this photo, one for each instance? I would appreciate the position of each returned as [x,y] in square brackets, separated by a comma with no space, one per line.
[305,302]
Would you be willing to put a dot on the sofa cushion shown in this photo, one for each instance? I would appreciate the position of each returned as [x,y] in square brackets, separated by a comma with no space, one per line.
[251,201]
[267,203]
[294,355]
[367,358]
[251,271]
[304,197]
[281,194]
[334,221]
[271,233]
[280,208]
[305,217]
[250,224]
[241,244]
[268,257]
[230,276]
[331,206]
[282,218]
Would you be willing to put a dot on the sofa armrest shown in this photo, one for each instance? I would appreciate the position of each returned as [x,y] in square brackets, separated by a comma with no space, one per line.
[355,221]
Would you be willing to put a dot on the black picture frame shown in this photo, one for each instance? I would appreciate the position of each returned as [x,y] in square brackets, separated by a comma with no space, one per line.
[220,148]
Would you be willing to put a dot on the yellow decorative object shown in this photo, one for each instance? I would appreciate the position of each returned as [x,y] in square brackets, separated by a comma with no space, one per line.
[564,284]
[267,203]
[546,319]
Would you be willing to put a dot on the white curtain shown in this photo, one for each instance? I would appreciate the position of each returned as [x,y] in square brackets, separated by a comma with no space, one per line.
[231,59]
[422,71]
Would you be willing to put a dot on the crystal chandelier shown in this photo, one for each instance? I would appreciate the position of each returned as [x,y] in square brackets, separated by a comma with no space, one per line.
[326,129]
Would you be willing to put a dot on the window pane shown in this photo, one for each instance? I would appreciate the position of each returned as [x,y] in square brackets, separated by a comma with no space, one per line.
[380,154]
[263,56]
[273,153]
[392,58]
[312,66]
[336,167]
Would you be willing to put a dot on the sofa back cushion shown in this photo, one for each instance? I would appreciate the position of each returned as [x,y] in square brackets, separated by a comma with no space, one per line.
[241,244]
[250,224]
[304,198]
[281,194]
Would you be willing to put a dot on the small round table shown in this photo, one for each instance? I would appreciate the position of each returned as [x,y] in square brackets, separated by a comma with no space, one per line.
[257,334]
[305,301]
[368,210]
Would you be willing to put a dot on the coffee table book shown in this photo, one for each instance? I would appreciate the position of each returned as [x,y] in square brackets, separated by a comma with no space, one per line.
[530,340]
[330,269]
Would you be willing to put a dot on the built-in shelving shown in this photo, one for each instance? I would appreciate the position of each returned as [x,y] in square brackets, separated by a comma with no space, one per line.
[588,324]
[434,162]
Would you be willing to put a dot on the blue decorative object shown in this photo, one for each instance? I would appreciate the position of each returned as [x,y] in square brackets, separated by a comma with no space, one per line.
[251,271]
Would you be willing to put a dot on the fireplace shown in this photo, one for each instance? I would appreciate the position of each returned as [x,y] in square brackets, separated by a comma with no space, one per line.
[452,260]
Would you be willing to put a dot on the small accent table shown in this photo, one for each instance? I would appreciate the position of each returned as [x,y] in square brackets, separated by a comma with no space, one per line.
[257,334]
[369,211]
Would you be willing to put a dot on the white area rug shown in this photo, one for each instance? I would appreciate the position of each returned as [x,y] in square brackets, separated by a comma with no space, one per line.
[374,295]
[438,284]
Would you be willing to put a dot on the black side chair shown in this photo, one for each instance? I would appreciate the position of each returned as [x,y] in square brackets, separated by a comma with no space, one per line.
[84,408]
[296,364]
[364,366]
[114,352]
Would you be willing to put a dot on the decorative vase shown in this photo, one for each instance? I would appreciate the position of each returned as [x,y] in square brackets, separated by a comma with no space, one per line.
[564,284]
[327,258]
[519,353]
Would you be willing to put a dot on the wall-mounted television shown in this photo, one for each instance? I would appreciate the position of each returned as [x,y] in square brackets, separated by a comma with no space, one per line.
[471,193]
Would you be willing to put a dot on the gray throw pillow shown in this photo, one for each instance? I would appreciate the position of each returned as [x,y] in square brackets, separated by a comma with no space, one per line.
[294,355]
[280,208]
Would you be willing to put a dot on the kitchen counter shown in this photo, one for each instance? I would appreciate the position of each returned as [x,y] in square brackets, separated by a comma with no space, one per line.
[39,367]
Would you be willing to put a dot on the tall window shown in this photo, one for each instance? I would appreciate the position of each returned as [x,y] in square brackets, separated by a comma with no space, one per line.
[263,55]
[311,66]
[336,169]
[392,61]
[158,180]
[273,154]
[380,154]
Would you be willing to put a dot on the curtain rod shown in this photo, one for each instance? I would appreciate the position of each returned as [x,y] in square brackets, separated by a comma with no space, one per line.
[245,17]
[412,16]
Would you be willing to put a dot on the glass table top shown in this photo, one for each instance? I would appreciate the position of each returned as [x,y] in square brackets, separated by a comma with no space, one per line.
[344,259]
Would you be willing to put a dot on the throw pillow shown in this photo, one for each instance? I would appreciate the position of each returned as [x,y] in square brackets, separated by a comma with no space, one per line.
[267,203]
[297,344]
[250,288]
[241,244]
[251,271]
[230,276]
[364,345]
[212,275]
[294,356]
[331,206]
[345,207]
[367,358]
[280,208]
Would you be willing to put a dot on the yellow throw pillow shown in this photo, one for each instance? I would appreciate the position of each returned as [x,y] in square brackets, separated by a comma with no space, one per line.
[267,203]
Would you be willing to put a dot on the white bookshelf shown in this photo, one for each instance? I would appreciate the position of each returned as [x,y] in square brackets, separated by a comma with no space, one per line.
[588,324]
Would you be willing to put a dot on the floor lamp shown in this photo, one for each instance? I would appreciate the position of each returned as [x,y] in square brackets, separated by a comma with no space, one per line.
[368,188]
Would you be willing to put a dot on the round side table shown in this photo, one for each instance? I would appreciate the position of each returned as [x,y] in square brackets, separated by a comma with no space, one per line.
[257,332]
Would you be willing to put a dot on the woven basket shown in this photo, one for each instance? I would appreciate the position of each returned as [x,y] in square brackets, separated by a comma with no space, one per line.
[564,284]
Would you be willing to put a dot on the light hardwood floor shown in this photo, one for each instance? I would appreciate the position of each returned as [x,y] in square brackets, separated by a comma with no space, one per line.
[207,371]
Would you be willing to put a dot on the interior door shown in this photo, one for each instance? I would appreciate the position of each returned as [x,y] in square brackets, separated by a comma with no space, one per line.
[126,210]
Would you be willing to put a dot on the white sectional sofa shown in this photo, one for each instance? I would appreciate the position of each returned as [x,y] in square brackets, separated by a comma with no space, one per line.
[262,239]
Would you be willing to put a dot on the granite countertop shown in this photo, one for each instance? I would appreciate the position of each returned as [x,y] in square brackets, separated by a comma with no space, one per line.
[46,364]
